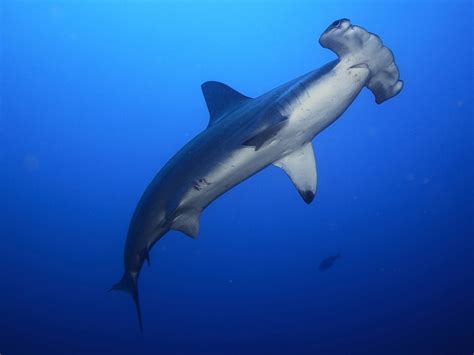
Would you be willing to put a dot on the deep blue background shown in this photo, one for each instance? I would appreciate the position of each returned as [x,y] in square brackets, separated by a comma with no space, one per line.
[97,95]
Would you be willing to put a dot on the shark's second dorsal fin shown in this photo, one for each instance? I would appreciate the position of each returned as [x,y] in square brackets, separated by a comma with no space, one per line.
[220,99]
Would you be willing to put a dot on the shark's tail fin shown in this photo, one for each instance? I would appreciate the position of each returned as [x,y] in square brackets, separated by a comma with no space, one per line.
[362,48]
[128,283]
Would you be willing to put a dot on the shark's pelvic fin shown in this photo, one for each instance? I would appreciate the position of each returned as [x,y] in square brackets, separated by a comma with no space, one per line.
[187,223]
[128,284]
[220,99]
[300,166]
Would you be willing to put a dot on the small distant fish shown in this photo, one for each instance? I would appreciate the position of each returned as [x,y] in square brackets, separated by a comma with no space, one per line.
[328,262]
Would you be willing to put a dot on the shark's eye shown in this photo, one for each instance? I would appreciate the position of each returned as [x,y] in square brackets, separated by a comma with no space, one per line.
[336,23]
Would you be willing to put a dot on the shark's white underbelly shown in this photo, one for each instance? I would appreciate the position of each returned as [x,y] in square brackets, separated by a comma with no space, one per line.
[317,108]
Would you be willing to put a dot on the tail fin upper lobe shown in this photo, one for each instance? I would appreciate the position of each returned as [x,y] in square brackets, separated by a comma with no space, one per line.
[357,46]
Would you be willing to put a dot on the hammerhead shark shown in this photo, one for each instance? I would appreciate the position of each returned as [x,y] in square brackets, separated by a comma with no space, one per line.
[245,135]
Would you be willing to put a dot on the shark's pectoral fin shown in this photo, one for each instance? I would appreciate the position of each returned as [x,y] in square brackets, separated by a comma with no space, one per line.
[220,99]
[267,135]
[187,223]
[300,166]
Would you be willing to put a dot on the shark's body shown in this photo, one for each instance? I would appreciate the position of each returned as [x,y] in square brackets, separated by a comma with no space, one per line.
[246,135]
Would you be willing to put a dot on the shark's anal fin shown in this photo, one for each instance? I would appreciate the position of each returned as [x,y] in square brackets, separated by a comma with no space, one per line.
[300,166]
[220,99]
[267,135]
[187,223]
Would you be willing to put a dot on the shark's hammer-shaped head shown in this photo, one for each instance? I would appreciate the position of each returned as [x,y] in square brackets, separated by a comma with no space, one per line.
[359,48]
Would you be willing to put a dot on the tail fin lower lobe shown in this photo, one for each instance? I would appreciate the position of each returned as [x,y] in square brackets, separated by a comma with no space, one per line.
[128,284]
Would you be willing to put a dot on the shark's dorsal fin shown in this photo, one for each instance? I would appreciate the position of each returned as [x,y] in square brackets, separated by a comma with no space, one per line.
[187,223]
[220,99]
[300,166]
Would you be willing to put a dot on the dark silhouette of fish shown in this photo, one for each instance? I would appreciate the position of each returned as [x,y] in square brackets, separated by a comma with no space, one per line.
[328,262]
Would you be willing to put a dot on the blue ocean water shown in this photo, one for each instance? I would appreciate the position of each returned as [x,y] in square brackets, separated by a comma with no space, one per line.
[96,96]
